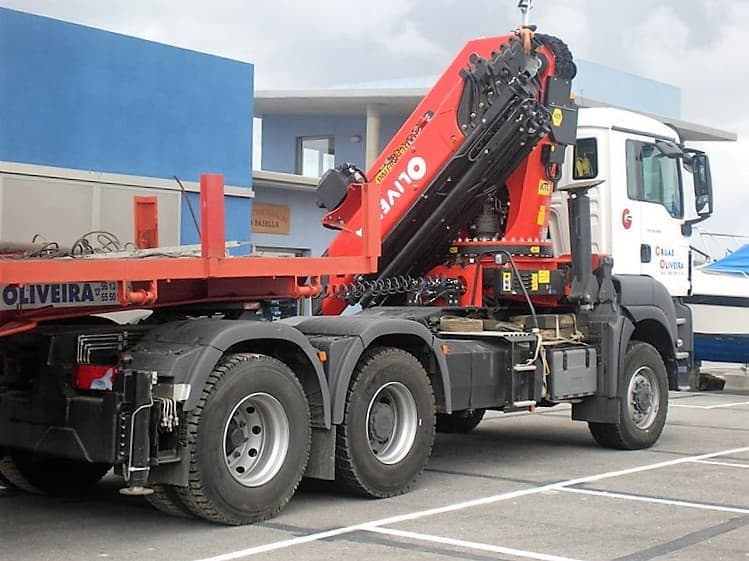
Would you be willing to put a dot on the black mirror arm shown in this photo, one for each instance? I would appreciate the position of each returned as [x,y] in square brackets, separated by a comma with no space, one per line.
[686,227]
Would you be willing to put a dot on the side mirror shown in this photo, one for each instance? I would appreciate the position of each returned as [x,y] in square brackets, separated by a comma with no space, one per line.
[703,185]
[585,159]
[699,164]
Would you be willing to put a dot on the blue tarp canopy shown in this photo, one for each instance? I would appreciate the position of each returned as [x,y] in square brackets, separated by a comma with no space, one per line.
[736,262]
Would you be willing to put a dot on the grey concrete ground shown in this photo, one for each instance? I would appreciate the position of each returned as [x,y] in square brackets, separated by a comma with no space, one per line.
[518,487]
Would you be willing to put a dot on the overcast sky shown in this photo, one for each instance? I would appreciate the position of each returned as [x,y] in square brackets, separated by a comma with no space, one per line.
[697,45]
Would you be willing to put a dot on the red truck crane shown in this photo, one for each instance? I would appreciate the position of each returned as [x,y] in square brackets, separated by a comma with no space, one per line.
[208,411]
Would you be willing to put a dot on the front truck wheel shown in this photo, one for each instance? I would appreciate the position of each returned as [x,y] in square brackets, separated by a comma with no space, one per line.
[643,404]
[39,474]
[387,433]
[248,440]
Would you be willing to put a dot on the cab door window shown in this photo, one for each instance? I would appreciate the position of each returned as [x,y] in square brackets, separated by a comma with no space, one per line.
[653,178]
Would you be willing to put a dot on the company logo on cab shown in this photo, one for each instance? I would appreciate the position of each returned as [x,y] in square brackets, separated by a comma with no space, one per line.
[626,219]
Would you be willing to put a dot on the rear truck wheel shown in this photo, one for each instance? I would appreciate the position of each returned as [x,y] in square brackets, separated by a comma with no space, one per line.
[460,421]
[38,474]
[387,433]
[4,482]
[643,403]
[248,440]
[166,499]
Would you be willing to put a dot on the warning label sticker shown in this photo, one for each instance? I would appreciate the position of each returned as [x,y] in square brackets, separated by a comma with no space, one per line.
[541,218]
[556,117]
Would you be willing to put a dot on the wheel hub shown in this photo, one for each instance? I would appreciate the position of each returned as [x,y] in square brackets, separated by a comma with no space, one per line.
[236,437]
[392,422]
[643,402]
[643,397]
[256,439]
[382,421]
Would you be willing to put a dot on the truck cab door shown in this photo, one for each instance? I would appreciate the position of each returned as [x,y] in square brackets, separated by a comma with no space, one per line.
[654,190]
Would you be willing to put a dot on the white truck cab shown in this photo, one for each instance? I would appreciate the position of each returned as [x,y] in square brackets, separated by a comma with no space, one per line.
[639,210]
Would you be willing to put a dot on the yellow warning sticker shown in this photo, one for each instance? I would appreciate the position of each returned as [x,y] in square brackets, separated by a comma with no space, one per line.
[534,282]
[535,249]
[544,276]
[556,117]
[506,281]
[541,219]
[544,187]
[453,249]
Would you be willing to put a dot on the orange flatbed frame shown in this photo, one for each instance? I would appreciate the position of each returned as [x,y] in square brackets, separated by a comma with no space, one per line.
[210,277]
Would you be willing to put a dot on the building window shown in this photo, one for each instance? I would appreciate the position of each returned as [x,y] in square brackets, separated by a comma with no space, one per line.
[314,155]
[652,177]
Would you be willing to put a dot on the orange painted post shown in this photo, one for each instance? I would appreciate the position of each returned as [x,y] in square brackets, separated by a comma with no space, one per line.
[212,215]
[146,222]
[371,236]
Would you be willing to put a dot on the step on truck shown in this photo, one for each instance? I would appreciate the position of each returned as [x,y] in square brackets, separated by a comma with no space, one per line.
[206,410]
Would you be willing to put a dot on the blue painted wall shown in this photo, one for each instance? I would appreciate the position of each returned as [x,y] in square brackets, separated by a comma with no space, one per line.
[237,221]
[306,231]
[389,125]
[77,97]
[279,149]
[279,153]
[281,131]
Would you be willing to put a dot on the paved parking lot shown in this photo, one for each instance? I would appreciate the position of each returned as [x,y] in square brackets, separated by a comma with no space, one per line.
[518,487]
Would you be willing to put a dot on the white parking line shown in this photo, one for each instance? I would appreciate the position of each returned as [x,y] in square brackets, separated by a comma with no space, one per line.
[470,545]
[719,406]
[367,526]
[727,464]
[656,500]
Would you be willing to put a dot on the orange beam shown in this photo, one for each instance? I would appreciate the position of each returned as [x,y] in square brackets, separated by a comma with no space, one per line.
[212,264]
[18,271]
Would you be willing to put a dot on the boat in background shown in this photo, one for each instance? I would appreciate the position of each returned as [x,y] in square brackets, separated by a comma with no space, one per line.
[720,309]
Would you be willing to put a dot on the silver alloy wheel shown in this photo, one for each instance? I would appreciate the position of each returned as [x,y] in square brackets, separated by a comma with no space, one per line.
[643,397]
[392,422]
[256,439]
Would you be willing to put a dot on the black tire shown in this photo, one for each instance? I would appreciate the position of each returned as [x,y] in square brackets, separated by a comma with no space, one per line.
[4,482]
[643,405]
[460,421]
[386,437]
[40,475]
[267,390]
[11,477]
[166,499]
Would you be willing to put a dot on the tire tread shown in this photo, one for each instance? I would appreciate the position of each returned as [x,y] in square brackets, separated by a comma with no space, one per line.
[165,499]
[345,469]
[193,496]
[614,435]
[11,474]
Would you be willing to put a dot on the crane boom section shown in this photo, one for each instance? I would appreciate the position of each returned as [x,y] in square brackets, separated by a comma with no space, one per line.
[475,127]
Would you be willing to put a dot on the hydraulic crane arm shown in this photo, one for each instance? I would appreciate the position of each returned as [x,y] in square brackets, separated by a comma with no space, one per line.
[480,123]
